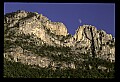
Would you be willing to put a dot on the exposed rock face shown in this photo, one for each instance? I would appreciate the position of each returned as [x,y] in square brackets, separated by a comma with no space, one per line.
[78,36]
[30,58]
[57,28]
[33,23]
[30,31]
[97,41]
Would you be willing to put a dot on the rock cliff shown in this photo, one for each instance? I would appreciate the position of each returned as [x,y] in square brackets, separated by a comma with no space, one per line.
[99,43]
[32,39]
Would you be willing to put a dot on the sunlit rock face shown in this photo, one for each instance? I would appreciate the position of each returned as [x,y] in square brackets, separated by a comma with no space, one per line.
[88,36]
[28,33]
[57,28]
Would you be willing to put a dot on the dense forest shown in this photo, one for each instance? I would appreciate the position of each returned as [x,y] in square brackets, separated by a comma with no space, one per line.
[18,70]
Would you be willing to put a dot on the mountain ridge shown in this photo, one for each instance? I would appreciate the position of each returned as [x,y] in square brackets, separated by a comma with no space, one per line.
[32,39]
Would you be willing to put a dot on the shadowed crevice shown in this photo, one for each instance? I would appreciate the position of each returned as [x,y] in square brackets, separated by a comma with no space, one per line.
[92,44]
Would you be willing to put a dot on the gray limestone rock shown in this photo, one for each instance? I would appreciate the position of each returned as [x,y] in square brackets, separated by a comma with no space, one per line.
[29,32]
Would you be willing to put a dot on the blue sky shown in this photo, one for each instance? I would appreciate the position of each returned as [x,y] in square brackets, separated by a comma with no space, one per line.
[73,15]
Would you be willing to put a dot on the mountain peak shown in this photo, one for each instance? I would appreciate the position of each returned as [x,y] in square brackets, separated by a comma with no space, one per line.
[32,39]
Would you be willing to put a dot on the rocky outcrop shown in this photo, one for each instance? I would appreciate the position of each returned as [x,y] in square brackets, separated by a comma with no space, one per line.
[29,58]
[78,35]
[57,28]
[99,43]
[33,23]
[31,31]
